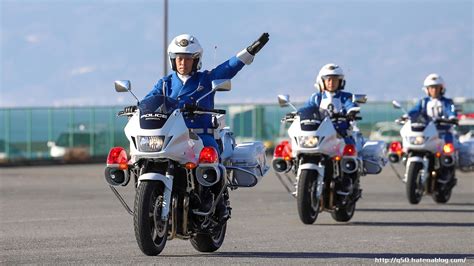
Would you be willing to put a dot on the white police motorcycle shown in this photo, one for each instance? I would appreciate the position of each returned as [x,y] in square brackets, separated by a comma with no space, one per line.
[173,172]
[430,162]
[325,169]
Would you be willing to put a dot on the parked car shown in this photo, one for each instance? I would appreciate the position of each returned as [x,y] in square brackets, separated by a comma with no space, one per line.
[81,139]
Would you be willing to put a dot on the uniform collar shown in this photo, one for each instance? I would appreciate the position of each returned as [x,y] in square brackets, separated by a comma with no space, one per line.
[439,98]
[331,94]
[183,78]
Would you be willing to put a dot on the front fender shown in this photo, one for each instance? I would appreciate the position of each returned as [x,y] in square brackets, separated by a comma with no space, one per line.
[320,180]
[311,166]
[168,182]
[417,159]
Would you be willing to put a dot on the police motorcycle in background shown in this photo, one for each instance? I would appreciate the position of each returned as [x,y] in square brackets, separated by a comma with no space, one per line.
[172,172]
[325,171]
[429,161]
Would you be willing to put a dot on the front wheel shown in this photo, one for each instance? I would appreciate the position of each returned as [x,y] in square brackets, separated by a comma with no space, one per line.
[150,231]
[308,204]
[414,186]
[209,242]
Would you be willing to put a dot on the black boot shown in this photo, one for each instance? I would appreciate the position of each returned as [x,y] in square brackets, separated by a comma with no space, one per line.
[346,184]
[222,210]
[207,199]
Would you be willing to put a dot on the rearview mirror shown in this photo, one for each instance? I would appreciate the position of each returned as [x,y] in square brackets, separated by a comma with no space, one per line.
[221,85]
[217,85]
[359,98]
[283,100]
[123,85]
[396,104]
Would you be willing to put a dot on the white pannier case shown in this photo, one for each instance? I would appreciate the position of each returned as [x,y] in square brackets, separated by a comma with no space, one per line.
[248,164]
[373,156]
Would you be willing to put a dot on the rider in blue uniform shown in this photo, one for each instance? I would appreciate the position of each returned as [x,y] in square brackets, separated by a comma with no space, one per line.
[330,82]
[186,84]
[436,106]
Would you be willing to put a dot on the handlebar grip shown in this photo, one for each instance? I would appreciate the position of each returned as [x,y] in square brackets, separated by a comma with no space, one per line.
[193,108]
[219,111]
[189,107]
[446,121]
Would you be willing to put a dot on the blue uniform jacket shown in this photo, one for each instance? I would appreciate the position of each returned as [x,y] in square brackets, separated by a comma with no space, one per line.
[342,102]
[448,110]
[195,87]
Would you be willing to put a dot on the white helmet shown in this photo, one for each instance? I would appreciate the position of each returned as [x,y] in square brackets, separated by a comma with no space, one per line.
[433,80]
[185,44]
[329,70]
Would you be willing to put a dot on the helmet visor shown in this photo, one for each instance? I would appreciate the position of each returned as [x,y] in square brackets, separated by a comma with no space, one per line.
[331,77]
[435,86]
[184,56]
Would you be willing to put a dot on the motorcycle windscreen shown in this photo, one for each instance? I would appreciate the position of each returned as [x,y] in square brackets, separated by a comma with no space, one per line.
[311,117]
[155,110]
[419,122]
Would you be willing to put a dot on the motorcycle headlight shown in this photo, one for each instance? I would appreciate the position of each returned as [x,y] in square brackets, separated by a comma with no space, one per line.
[418,140]
[308,141]
[150,143]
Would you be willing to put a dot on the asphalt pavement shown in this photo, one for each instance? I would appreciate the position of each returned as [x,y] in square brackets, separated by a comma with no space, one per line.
[68,215]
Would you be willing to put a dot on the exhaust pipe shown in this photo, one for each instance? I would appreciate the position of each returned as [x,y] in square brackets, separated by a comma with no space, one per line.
[393,158]
[349,165]
[208,175]
[447,160]
[281,166]
[116,177]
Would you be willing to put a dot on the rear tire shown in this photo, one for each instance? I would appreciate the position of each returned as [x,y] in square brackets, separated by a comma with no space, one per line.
[414,188]
[208,242]
[308,205]
[345,213]
[150,231]
[442,194]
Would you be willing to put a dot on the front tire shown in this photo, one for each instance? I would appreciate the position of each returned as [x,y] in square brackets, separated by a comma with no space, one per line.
[308,204]
[150,231]
[414,186]
[209,242]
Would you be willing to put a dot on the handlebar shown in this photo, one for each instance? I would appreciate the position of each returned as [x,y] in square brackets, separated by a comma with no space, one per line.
[291,116]
[402,120]
[446,121]
[337,116]
[123,113]
[190,108]
[187,108]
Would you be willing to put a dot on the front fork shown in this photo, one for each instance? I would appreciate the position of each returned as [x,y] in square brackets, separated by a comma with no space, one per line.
[425,161]
[167,180]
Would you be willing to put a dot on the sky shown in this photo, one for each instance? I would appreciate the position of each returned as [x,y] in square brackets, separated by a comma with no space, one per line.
[68,53]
